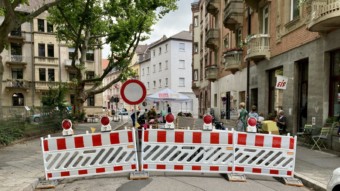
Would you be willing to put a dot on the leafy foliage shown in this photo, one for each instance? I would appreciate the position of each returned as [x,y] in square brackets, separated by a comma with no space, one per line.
[56,97]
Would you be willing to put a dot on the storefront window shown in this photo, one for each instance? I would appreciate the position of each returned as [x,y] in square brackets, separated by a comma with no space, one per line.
[335,84]
[275,95]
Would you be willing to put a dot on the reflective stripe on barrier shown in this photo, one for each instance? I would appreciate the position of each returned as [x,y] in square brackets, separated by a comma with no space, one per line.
[187,151]
[89,154]
[264,154]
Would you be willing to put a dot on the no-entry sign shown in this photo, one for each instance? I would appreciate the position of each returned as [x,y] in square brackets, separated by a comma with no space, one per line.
[133,92]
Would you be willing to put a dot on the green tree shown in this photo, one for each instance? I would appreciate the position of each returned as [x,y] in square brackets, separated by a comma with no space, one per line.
[82,24]
[11,17]
[56,97]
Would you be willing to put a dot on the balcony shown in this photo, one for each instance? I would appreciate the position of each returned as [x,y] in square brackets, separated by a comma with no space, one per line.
[50,61]
[212,39]
[233,60]
[325,15]
[17,84]
[16,61]
[258,47]
[233,14]
[211,72]
[16,37]
[195,86]
[44,85]
[212,6]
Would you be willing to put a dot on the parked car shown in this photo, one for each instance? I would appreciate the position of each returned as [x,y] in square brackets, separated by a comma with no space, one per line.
[123,111]
[334,182]
[36,118]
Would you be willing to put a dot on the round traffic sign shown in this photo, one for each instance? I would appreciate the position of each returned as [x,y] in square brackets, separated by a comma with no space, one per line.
[133,92]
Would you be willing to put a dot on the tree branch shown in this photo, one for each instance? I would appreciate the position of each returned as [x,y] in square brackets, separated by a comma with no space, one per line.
[41,10]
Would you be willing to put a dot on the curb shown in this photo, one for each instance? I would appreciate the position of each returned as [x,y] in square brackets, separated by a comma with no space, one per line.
[310,183]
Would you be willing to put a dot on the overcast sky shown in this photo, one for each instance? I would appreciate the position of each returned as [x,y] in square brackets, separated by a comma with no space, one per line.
[171,24]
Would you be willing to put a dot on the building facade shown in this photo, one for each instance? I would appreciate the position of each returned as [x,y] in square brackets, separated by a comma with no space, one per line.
[169,66]
[35,60]
[298,40]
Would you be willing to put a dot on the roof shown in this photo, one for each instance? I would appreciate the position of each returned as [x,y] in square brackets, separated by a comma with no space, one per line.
[33,5]
[141,49]
[182,36]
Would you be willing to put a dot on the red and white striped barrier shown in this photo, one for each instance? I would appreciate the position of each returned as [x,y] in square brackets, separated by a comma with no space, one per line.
[187,151]
[218,152]
[89,154]
[264,154]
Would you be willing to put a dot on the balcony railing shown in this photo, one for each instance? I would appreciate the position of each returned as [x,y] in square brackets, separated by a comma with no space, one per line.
[16,60]
[16,36]
[44,85]
[325,15]
[195,86]
[212,38]
[233,14]
[258,47]
[233,60]
[212,6]
[17,83]
[46,60]
[211,72]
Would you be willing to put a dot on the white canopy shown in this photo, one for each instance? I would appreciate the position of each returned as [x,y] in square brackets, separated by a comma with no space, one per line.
[168,95]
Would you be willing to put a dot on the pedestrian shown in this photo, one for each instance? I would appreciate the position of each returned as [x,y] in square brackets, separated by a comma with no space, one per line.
[242,117]
[281,122]
[253,113]
[133,118]
[169,108]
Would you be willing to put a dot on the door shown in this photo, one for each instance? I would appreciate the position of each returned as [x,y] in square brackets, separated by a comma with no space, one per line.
[303,93]
[227,106]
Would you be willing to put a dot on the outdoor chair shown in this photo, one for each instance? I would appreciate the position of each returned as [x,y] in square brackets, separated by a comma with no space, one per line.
[319,140]
[306,134]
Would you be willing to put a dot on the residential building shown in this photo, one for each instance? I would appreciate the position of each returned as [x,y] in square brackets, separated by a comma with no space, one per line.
[169,66]
[35,60]
[296,40]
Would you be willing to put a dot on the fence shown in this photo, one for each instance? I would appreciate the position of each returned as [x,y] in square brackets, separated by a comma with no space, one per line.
[17,122]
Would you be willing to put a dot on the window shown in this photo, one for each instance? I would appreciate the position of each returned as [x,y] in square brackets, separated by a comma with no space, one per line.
[49,27]
[18,99]
[154,68]
[51,75]
[181,82]
[41,50]
[226,41]
[72,76]
[89,75]
[148,85]
[41,25]
[90,55]
[166,47]
[17,74]
[196,21]
[195,75]
[294,9]
[50,50]
[215,100]
[154,84]
[143,72]
[181,47]
[148,70]
[71,53]
[239,37]
[160,83]
[16,50]
[154,53]
[181,64]
[160,66]
[90,100]
[195,48]
[166,82]
[42,74]
[166,64]
[265,20]
[160,50]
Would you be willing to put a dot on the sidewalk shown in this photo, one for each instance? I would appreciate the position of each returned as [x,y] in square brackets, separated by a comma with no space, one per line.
[21,164]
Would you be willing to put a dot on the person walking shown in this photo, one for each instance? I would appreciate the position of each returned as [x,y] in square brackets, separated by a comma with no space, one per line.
[242,117]
[133,118]
[169,108]
[253,113]
[281,122]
